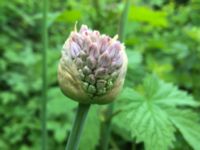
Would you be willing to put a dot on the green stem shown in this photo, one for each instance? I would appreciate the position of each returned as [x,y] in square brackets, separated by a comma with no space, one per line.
[106,123]
[123,21]
[44,74]
[106,127]
[74,138]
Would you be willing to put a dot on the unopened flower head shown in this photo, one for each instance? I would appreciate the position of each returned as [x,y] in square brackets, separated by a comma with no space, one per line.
[92,67]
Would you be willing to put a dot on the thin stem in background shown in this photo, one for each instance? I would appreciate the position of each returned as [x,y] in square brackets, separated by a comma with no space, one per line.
[106,124]
[44,74]
[74,138]
[123,21]
[106,127]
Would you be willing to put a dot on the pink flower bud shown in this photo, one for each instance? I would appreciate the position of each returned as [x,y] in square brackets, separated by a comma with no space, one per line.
[74,49]
[104,60]
[93,50]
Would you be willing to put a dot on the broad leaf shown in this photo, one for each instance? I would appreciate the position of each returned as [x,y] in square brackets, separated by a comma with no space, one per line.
[188,123]
[147,114]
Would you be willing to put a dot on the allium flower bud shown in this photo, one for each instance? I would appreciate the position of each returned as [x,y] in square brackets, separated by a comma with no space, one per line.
[92,67]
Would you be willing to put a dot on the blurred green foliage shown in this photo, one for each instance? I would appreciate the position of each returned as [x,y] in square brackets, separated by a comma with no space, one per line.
[161,36]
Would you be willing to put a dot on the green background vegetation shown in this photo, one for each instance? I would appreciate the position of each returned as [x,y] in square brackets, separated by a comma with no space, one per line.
[162,38]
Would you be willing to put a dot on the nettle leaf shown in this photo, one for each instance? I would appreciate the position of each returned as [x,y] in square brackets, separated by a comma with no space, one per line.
[166,93]
[151,114]
[188,123]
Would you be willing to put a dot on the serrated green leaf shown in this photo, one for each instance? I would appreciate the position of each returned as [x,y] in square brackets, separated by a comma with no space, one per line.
[187,122]
[148,123]
[146,113]
[166,93]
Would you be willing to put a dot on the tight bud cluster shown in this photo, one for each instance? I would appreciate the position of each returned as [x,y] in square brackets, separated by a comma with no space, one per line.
[96,62]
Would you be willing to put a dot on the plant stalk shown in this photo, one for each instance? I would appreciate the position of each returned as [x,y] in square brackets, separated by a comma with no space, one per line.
[123,21]
[106,127]
[74,138]
[44,74]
